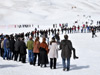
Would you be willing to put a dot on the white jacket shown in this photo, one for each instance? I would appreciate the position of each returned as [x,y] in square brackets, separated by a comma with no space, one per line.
[53,50]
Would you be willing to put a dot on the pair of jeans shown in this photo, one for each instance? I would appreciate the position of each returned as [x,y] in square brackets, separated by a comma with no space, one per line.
[5,53]
[8,53]
[30,56]
[64,63]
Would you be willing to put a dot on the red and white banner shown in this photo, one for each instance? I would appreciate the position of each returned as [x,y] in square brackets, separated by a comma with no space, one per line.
[16,26]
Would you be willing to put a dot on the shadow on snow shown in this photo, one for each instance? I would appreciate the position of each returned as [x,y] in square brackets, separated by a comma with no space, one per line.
[7,66]
[73,67]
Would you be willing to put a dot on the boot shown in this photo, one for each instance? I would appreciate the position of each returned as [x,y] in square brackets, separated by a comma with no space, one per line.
[74,54]
[75,57]
[67,69]
[45,65]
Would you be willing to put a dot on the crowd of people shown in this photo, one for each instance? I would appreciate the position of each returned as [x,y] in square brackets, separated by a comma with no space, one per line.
[14,47]
[63,29]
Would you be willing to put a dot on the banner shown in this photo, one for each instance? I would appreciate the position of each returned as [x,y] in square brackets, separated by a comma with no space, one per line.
[16,26]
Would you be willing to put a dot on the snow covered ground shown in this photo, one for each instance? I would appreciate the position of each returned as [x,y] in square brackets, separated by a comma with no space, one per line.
[88,63]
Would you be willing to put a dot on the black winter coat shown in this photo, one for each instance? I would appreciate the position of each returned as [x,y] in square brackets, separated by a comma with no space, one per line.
[12,43]
[17,46]
[43,56]
[22,47]
[66,47]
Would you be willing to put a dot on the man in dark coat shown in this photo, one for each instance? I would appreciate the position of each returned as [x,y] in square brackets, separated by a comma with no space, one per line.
[70,30]
[17,48]
[93,33]
[23,51]
[55,30]
[49,31]
[8,48]
[57,38]
[66,47]
[62,29]
[12,48]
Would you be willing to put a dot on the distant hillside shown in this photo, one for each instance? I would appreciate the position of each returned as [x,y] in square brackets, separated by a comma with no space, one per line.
[40,11]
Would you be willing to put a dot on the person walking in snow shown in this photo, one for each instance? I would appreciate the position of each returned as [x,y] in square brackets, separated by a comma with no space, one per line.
[93,33]
[57,38]
[62,29]
[70,29]
[17,48]
[43,53]
[9,53]
[49,31]
[66,51]
[30,46]
[23,51]
[12,48]
[6,47]
[53,53]
[78,28]
[36,51]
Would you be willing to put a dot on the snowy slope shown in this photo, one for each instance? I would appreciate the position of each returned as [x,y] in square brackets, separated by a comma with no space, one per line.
[41,11]
[46,12]
[88,63]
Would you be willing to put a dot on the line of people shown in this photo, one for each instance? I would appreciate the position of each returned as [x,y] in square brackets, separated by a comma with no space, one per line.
[12,49]
[63,30]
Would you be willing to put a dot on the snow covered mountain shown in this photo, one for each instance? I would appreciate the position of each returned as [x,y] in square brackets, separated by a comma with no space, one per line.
[46,12]
[42,11]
